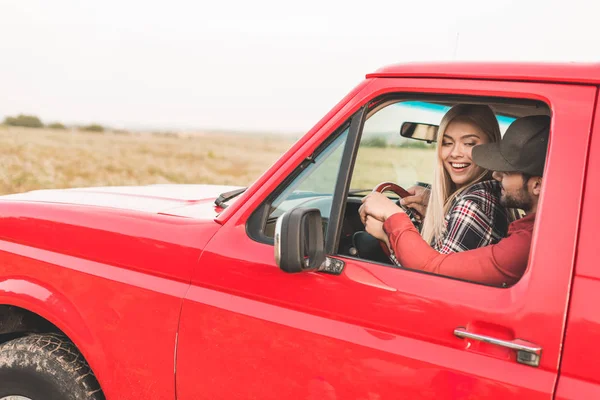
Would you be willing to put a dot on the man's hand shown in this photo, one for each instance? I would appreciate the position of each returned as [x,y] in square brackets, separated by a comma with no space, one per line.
[377,206]
[419,199]
[375,228]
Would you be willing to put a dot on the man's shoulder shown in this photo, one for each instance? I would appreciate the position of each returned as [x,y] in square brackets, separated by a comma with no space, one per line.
[524,224]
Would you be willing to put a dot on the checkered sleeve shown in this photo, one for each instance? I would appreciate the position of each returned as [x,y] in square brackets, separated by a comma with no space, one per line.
[470,224]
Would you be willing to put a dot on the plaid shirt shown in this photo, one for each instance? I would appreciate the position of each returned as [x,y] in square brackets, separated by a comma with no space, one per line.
[475,219]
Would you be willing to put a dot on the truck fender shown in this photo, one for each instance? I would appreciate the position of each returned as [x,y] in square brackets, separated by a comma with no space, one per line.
[43,300]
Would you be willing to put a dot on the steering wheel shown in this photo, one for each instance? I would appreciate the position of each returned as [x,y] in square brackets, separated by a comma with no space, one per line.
[392,187]
[400,191]
[368,246]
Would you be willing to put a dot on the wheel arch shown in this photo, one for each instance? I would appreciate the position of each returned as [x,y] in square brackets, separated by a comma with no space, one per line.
[27,307]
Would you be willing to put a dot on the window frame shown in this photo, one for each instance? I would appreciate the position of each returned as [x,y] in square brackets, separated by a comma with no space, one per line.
[256,223]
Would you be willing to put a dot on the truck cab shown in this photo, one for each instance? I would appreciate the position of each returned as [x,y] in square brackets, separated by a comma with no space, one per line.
[388,332]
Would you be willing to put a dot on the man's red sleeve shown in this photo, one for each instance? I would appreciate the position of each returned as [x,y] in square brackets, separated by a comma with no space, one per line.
[497,264]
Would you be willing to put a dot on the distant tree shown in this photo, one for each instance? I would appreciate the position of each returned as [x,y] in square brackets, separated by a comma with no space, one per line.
[416,144]
[56,125]
[93,128]
[30,121]
[375,141]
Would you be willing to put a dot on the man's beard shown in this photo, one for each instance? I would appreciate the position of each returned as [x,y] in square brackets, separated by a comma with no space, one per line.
[520,200]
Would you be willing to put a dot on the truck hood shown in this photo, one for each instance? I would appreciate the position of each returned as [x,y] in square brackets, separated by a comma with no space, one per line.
[193,201]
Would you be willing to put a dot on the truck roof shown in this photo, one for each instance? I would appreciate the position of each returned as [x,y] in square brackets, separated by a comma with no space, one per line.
[584,73]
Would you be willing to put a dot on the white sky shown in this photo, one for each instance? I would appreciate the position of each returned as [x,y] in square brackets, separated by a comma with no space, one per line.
[253,64]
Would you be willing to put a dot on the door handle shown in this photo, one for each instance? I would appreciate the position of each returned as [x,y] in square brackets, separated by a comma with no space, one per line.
[527,353]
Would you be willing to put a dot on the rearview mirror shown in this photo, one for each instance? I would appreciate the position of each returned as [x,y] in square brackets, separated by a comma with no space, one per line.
[299,244]
[419,131]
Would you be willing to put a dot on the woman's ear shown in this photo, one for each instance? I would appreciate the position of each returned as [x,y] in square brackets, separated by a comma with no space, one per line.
[536,185]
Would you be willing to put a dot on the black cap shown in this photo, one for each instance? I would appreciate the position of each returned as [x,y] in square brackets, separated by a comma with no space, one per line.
[522,148]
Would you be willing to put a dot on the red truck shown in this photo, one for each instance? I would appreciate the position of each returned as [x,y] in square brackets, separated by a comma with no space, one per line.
[183,291]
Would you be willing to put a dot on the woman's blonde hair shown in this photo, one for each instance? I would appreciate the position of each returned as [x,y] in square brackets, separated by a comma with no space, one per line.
[443,190]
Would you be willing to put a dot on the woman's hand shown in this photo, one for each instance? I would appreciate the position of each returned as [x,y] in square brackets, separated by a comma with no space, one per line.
[377,206]
[419,199]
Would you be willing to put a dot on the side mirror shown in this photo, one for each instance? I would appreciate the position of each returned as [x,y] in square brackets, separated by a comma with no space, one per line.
[419,131]
[299,244]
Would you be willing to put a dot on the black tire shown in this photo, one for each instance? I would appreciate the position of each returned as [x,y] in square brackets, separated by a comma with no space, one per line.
[46,367]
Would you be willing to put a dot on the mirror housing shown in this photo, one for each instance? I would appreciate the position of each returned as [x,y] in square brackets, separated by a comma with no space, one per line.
[419,131]
[299,243]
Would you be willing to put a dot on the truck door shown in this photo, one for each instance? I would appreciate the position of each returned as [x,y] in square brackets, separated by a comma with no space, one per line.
[250,330]
[579,371]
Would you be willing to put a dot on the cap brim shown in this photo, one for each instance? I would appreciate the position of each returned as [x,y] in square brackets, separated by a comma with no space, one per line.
[489,157]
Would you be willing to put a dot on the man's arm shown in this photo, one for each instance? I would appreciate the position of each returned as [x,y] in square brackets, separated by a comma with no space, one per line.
[499,264]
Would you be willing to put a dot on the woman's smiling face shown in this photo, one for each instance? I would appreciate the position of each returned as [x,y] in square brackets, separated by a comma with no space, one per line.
[457,143]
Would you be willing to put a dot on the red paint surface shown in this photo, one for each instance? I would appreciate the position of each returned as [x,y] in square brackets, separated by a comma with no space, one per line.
[581,73]
[580,374]
[114,286]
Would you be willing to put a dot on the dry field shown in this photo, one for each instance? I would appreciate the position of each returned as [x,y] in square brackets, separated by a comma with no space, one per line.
[43,158]
[402,166]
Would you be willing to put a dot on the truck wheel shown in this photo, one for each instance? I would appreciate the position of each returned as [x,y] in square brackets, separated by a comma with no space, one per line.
[45,366]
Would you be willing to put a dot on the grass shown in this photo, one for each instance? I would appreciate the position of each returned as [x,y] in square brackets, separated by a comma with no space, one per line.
[403,166]
[48,158]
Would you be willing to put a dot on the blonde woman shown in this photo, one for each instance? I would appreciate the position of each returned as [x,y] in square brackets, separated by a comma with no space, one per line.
[462,210]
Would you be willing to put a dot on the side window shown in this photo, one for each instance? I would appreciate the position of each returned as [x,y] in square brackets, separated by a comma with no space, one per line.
[313,186]
[398,144]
